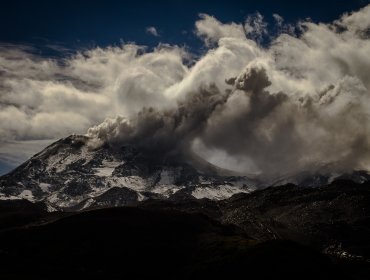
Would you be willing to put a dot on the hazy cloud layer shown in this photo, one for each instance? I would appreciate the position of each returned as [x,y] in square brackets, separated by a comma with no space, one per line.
[296,105]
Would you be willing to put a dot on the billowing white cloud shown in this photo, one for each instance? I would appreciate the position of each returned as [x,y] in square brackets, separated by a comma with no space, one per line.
[71,95]
[212,30]
[356,21]
[281,26]
[302,101]
[255,27]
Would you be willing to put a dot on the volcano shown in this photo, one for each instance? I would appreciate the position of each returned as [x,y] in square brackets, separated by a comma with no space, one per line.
[69,175]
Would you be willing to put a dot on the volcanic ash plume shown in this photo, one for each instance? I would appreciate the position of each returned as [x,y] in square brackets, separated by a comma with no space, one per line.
[299,105]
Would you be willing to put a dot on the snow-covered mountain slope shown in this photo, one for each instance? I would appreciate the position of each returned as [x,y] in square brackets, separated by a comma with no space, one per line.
[320,177]
[69,175]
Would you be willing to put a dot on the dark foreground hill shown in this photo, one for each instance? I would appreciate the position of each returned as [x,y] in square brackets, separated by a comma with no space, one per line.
[277,233]
[127,243]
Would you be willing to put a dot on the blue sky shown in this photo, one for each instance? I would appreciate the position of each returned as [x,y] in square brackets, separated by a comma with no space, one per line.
[85,24]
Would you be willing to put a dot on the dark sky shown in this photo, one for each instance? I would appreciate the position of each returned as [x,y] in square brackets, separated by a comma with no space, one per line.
[85,24]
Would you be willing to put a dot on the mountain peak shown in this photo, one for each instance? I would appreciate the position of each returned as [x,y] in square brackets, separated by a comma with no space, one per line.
[71,173]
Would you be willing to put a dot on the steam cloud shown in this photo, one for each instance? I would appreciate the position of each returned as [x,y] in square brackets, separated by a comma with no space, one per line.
[299,104]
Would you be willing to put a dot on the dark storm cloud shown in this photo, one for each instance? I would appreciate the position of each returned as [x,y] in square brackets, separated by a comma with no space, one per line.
[162,133]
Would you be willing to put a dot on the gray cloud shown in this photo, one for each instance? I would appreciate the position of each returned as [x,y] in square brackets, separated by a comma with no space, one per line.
[255,27]
[152,31]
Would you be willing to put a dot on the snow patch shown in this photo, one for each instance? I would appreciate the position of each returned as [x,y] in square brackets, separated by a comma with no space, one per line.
[112,164]
[217,192]
[135,183]
[10,197]
[103,171]
[88,203]
[140,197]
[61,161]
[44,187]
[27,194]
[166,190]
[106,168]
[87,155]
[50,208]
